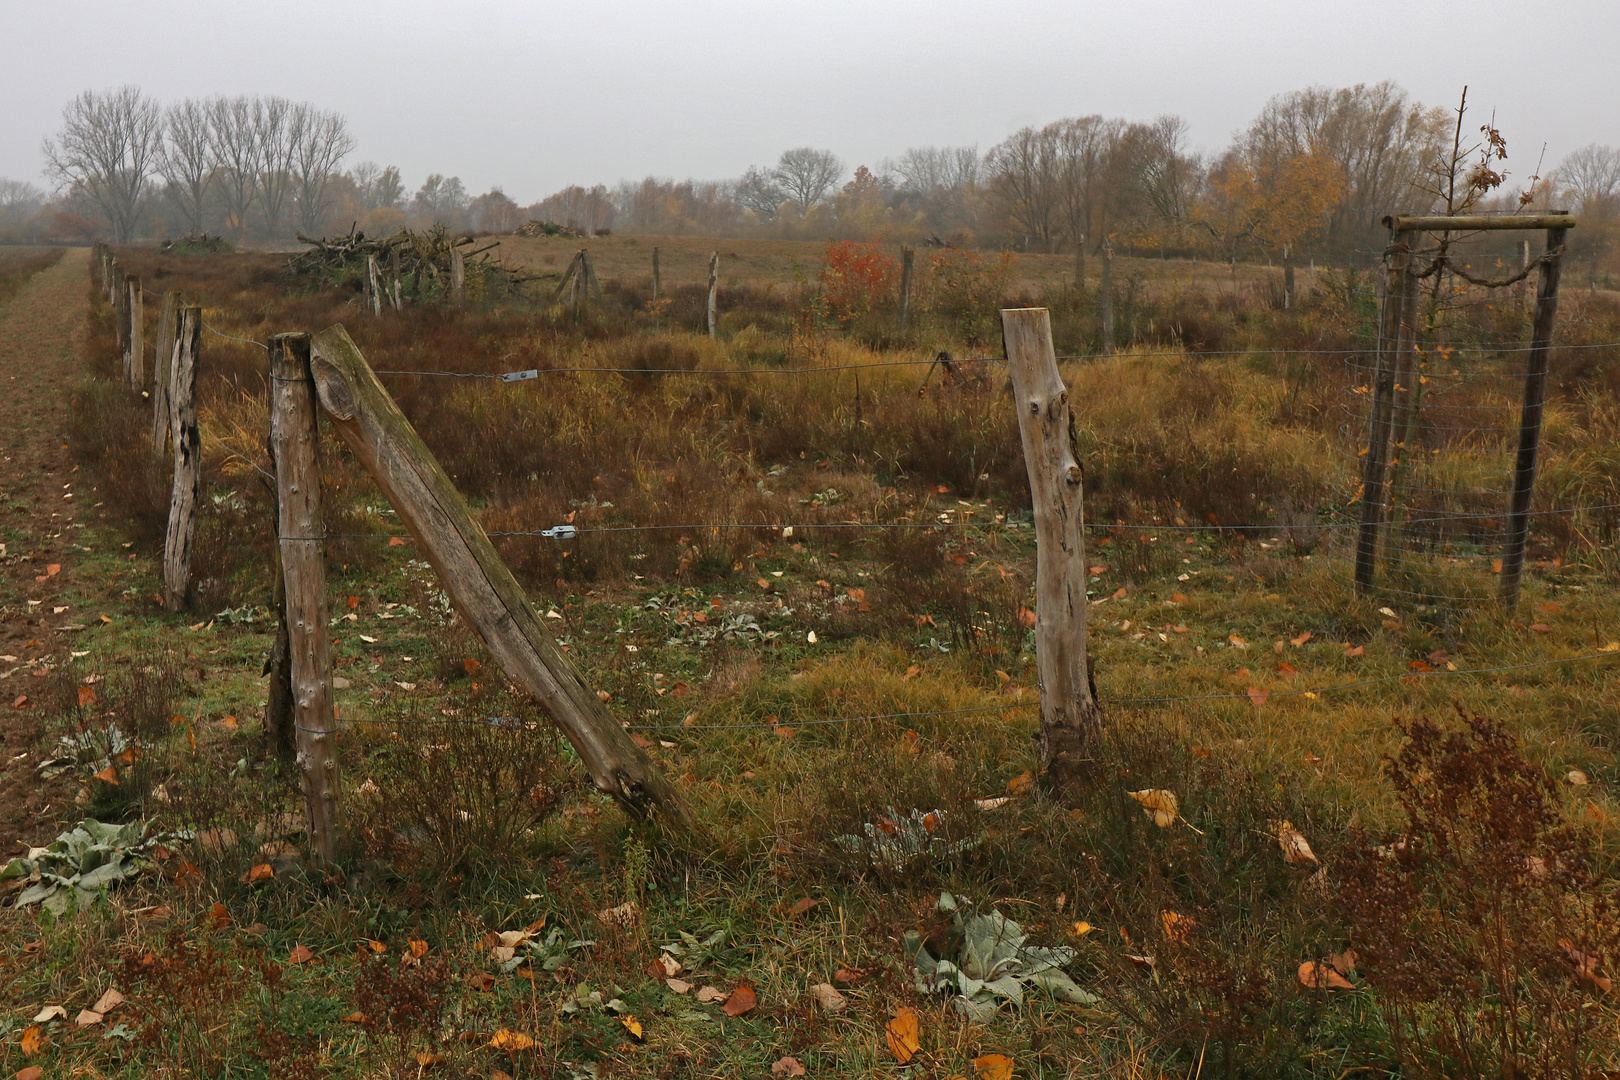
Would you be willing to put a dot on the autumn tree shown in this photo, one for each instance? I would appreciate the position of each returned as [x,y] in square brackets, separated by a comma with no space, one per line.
[808,174]
[1262,205]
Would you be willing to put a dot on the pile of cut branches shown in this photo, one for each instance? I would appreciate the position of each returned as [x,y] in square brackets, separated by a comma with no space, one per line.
[409,266]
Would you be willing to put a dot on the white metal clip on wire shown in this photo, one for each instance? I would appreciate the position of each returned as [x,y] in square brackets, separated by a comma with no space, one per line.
[519,376]
[561,532]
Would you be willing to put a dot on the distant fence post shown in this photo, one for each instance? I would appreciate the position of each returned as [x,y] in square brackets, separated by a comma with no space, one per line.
[162,371]
[907,257]
[1535,396]
[1107,344]
[471,572]
[458,275]
[1288,277]
[135,348]
[293,434]
[714,289]
[373,287]
[109,277]
[656,282]
[187,442]
[120,306]
[1071,719]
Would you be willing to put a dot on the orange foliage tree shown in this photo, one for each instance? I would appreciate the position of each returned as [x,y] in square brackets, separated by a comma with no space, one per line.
[1267,207]
[853,279]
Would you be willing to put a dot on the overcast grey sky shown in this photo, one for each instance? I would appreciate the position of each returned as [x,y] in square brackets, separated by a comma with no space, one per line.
[535,95]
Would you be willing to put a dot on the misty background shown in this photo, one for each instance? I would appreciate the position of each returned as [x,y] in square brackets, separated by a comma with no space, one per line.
[967,121]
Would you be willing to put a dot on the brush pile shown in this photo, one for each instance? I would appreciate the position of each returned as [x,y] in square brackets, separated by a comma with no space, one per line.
[546,228]
[415,266]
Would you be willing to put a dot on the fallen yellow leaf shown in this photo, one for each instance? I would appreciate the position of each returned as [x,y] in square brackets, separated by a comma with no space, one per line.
[993,1067]
[904,1034]
[1158,804]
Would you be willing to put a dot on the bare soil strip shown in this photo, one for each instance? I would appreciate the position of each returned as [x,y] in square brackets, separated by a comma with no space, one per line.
[41,330]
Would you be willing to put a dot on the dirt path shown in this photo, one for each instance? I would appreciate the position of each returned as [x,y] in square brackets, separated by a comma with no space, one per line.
[41,329]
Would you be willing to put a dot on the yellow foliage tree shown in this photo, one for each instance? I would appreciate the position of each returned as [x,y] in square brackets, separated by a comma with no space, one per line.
[1286,203]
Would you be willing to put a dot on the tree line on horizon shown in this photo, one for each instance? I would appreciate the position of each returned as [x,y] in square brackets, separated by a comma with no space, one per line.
[1312,173]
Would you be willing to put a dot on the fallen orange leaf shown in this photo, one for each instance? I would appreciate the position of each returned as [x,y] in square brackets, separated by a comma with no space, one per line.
[218,917]
[109,775]
[33,1040]
[300,955]
[904,1035]
[396,541]
[511,1041]
[260,872]
[87,696]
[1322,977]
[1258,696]
[741,1000]
[993,1067]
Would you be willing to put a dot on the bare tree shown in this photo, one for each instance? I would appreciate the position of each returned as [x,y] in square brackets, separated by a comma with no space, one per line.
[808,174]
[19,201]
[935,170]
[321,142]
[760,191]
[442,200]
[107,150]
[277,121]
[234,132]
[378,186]
[187,162]
[1024,182]
[494,211]
[1083,151]
[1590,179]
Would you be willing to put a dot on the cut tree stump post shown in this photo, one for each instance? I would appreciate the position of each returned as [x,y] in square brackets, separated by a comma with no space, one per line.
[907,258]
[187,442]
[1071,719]
[1535,396]
[479,585]
[656,282]
[135,348]
[293,434]
[458,276]
[714,290]
[162,369]
[1107,344]
[373,286]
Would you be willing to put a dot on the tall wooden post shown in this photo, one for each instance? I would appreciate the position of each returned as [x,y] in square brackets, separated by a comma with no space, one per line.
[714,289]
[109,277]
[1080,264]
[120,307]
[187,442]
[162,371]
[373,286]
[657,284]
[1071,719]
[472,574]
[1107,344]
[135,348]
[1390,323]
[1535,395]
[293,432]
[588,268]
[458,274]
[393,272]
[907,257]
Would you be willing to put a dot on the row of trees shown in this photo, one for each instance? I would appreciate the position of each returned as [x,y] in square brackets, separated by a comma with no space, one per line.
[251,163]
[1314,171]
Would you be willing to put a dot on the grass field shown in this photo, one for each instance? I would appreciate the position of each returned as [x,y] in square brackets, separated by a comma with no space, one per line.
[842,682]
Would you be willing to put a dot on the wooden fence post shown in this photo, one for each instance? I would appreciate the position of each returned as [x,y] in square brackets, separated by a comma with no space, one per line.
[1288,277]
[656,283]
[1535,395]
[120,307]
[458,275]
[109,277]
[162,372]
[907,257]
[714,288]
[478,583]
[135,349]
[1071,719]
[293,433]
[1391,322]
[373,287]
[187,442]
[1107,345]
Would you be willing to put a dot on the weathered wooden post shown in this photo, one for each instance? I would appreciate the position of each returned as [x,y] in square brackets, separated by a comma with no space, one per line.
[907,257]
[1535,396]
[1071,719]
[458,274]
[120,308]
[1288,277]
[657,284]
[109,277]
[187,442]
[1107,344]
[479,585]
[1391,322]
[135,347]
[393,273]
[714,289]
[373,286]
[293,433]
[162,370]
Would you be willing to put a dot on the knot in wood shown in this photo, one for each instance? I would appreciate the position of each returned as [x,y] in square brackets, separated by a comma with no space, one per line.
[1075,474]
[1035,408]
